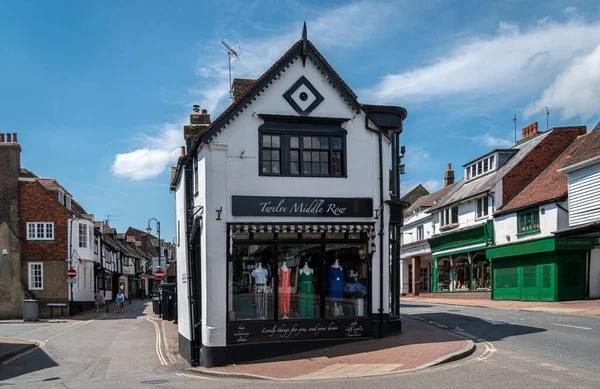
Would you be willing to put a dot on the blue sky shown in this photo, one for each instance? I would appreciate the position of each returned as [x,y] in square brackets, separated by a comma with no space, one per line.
[98,91]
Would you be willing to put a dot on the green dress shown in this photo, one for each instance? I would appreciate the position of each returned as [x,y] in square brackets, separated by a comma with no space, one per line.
[307,296]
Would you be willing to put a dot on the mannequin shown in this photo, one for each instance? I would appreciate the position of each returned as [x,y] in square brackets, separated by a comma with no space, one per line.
[335,275]
[284,291]
[307,297]
[260,275]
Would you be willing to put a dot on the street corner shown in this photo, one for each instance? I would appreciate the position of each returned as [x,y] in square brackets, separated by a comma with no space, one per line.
[11,348]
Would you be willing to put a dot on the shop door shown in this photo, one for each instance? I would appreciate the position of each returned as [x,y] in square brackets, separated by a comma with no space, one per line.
[530,285]
[424,279]
[410,279]
[506,279]
[571,275]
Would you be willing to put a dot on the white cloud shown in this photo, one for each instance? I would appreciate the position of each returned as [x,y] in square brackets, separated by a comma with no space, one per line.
[416,157]
[491,141]
[156,154]
[513,63]
[330,29]
[576,91]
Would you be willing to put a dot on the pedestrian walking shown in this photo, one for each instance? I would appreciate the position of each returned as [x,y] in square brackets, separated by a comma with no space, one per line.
[98,300]
[119,300]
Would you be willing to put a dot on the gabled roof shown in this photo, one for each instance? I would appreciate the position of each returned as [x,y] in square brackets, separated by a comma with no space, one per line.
[429,200]
[550,185]
[51,183]
[589,149]
[464,190]
[263,82]
[413,190]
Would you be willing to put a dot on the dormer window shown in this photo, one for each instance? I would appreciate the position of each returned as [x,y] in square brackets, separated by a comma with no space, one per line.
[61,196]
[480,167]
[68,203]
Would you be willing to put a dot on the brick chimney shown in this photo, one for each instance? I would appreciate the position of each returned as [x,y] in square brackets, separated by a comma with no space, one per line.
[199,122]
[10,166]
[530,130]
[449,176]
[239,86]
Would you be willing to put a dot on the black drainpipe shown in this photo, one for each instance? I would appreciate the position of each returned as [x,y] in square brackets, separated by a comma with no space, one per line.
[381,229]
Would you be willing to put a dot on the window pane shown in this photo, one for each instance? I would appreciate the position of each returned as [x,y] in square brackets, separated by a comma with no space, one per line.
[294,168]
[316,142]
[479,167]
[306,156]
[266,167]
[40,230]
[306,168]
[337,143]
[49,232]
[275,167]
[347,280]
[485,165]
[294,142]
[315,167]
[324,156]
[294,156]
[324,168]
[250,294]
[491,162]
[337,163]
[315,156]
[266,155]
[307,142]
[324,143]
[266,140]
[275,140]
[275,155]
[31,230]
[454,215]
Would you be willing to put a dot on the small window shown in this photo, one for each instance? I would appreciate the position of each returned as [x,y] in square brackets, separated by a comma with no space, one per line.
[83,236]
[61,197]
[492,163]
[528,221]
[95,245]
[40,231]
[36,276]
[68,204]
[454,211]
[482,207]
[420,233]
[271,154]
[485,165]
[479,167]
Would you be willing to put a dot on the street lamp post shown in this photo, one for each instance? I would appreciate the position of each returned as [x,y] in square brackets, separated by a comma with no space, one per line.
[149,230]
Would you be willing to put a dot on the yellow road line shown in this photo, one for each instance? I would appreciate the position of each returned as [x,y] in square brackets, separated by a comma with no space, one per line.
[161,358]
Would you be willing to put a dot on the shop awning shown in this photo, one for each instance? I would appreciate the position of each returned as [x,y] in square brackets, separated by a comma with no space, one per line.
[267,227]
[461,250]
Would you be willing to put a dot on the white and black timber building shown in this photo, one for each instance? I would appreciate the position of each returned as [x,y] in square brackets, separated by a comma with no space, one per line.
[285,207]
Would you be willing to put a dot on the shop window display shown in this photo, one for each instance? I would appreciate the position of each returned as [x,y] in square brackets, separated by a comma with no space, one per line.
[462,279]
[347,280]
[481,274]
[251,282]
[443,275]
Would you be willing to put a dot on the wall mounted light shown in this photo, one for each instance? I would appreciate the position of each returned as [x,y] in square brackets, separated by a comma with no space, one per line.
[543,211]
[219,213]
[508,238]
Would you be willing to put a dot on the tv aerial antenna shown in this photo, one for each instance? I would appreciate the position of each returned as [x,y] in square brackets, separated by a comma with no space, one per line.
[233,53]
[108,218]
[547,115]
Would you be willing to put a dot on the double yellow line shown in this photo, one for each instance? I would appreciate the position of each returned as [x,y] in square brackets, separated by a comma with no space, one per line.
[161,357]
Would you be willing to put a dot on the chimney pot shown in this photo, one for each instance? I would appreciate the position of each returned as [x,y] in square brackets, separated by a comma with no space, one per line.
[449,176]
[8,138]
[449,166]
[1,138]
[204,112]
[196,108]
[183,151]
[15,137]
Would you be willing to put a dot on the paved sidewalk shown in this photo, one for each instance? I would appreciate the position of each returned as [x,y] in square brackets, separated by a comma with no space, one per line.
[10,347]
[580,307]
[419,346]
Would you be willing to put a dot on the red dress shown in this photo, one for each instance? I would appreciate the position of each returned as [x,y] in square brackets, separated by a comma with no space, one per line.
[284,291]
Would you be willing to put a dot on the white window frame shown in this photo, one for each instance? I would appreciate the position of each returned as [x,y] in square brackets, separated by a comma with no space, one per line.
[61,196]
[420,233]
[482,207]
[481,167]
[68,203]
[446,216]
[44,229]
[83,243]
[32,281]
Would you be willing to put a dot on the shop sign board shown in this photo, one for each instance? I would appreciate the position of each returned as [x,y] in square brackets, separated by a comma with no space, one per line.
[539,246]
[302,206]
[288,330]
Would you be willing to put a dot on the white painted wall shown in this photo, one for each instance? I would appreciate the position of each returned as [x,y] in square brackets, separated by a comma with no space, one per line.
[183,317]
[594,273]
[223,173]
[507,225]
[83,257]
[467,216]
[584,194]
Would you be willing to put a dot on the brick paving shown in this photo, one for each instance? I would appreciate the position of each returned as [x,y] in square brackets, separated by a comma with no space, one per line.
[579,307]
[418,345]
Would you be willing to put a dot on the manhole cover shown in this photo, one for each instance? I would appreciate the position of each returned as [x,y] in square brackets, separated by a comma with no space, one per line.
[155,382]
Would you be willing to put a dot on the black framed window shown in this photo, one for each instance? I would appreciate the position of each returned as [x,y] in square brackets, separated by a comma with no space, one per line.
[297,154]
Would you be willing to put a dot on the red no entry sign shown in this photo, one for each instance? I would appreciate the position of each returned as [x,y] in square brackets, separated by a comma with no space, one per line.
[71,273]
[159,275]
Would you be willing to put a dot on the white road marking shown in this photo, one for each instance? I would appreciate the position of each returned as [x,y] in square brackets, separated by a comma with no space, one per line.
[570,326]
[552,367]
[161,358]
[494,322]
[195,376]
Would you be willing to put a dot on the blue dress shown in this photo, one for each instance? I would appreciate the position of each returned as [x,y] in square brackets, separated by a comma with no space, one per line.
[335,275]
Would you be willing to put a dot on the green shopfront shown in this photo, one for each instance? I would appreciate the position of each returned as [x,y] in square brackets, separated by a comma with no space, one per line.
[461,268]
[547,269]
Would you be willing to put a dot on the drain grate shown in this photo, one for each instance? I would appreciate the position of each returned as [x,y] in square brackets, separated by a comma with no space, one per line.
[155,382]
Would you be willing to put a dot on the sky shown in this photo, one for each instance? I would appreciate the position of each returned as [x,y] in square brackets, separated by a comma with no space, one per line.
[98,92]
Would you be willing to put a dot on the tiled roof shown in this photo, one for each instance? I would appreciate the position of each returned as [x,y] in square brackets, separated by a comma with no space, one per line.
[27,174]
[52,183]
[413,190]
[77,208]
[464,190]
[549,185]
[430,199]
[172,179]
[240,101]
[589,149]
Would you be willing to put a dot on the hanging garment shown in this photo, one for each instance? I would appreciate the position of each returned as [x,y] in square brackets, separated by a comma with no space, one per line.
[307,296]
[284,291]
[335,275]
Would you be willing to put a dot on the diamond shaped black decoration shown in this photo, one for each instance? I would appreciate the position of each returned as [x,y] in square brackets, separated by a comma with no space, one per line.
[309,97]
